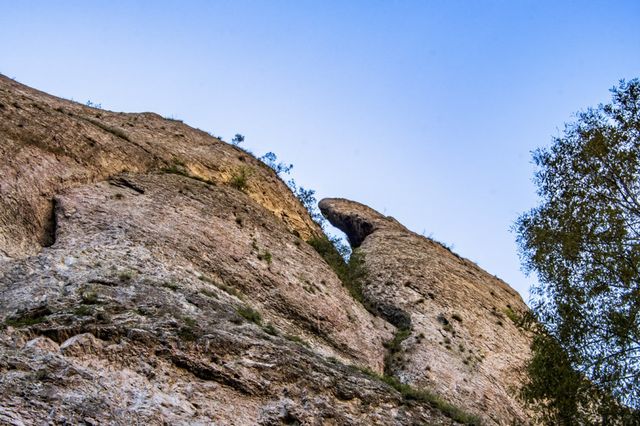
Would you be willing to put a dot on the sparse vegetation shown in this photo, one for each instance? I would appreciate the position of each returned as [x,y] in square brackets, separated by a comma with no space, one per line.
[125,276]
[271,160]
[116,131]
[209,293]
[512,315]
[189,321]
[394,348]
[240,178]
[89,297]
[144,311]
[237,139]
[83,310]
[25,321]
[307,199]
[350,273]
[205,279]
[309,202]
[250,314]
[410,393]
[170,285]
[188,333]
[94,105]
[178,167]
[270,329]
[296,339]
[266,256]
[229,289]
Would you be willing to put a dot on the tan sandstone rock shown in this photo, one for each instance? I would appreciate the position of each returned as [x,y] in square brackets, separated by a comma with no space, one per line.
[140,285]
[461,341]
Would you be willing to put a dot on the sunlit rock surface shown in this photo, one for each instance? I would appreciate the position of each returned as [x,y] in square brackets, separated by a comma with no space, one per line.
[140,284]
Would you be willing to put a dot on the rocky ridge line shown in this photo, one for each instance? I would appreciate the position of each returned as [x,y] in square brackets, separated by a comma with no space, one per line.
[139,282]
[457,330]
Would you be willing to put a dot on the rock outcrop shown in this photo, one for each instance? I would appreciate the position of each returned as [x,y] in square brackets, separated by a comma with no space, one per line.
[50,144]
[151,273]
[460,334]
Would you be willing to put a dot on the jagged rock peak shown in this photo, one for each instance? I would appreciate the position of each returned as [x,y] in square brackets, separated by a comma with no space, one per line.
[457,324]
[355,219]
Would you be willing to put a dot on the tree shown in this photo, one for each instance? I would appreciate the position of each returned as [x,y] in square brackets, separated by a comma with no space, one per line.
[237,139]
[583,242]
[271,160]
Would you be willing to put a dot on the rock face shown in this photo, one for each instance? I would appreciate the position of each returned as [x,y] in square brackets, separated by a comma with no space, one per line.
[50,144]
[151,273]
[460,335]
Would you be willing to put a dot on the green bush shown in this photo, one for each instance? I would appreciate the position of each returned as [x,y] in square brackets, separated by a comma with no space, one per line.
[83,310]
[239,179]
[270,329]
[351,274]
[266,256]
[125,275]
[89,297]
[394,347]
[250,314]
[25,321]
[187,333]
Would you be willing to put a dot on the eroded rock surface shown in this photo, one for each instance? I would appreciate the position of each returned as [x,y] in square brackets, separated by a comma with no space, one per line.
[136,312]
[49,144]
[461,338]
[142,283]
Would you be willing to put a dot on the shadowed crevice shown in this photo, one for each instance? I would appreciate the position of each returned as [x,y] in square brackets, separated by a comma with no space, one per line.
[121,182]
[50,225]
[356,220]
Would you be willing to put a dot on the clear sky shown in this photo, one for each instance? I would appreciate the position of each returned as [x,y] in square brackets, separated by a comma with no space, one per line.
[425,110]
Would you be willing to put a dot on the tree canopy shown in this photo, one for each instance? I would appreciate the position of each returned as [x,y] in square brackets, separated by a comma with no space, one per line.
[583,243]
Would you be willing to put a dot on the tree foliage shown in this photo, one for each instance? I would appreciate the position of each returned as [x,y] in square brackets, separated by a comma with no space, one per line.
[271,160]
[583,242]
[237,139]
[308,200]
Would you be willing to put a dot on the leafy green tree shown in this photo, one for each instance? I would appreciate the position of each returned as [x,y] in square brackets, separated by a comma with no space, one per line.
[583,242]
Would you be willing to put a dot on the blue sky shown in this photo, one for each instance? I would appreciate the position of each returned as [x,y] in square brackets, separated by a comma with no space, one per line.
[426,110]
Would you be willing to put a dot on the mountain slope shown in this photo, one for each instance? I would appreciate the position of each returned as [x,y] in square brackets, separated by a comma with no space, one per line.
[459,335]
[150,272]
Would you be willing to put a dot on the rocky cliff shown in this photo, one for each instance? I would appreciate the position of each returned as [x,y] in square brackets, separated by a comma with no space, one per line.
[151,273]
